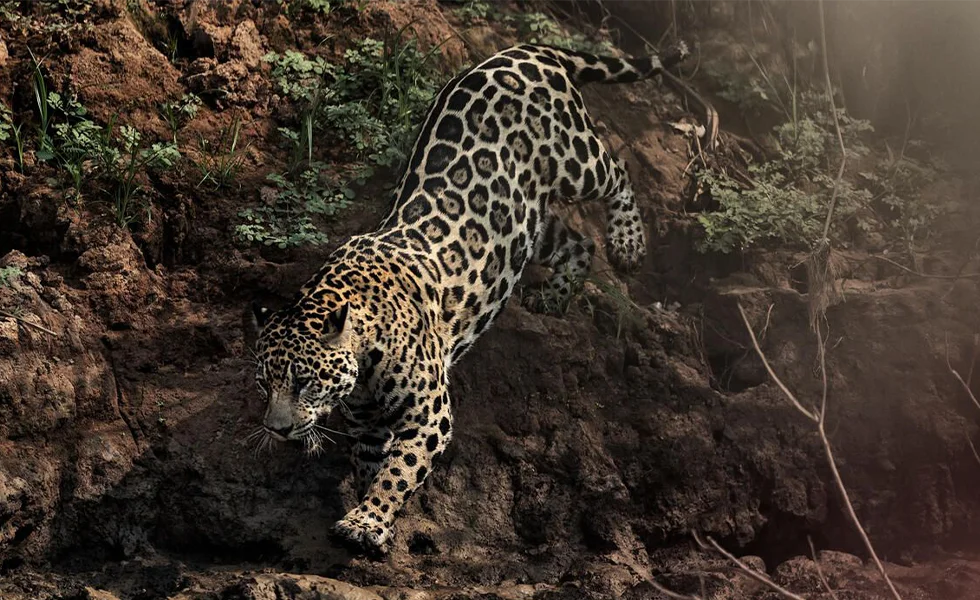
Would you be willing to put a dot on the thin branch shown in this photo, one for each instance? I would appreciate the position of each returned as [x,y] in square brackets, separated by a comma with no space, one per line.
[760,577]
[965,384]
[924,275]
[672,594]
[792,398]
[822,352]
[710,114]
[970,257]
[823,578]
[956,374]
[973,448]
[765,328]
[24,321]
[853,515]
[833,111]
[818,418]
[973,359]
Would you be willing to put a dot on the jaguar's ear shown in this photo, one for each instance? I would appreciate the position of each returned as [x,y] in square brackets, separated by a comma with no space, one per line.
[260,314]
[255,318]
[338,319]
[336,325]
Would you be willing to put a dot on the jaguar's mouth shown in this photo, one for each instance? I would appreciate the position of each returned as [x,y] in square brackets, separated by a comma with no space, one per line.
[312,435]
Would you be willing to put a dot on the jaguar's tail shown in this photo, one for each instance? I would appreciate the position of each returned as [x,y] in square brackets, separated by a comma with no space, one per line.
[585,68]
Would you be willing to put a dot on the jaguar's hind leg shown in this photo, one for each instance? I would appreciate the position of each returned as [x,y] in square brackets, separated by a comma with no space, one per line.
[625,236]
[569,255]
[604,177]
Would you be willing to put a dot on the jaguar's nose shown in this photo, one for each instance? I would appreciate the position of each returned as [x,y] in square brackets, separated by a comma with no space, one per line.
[282,432]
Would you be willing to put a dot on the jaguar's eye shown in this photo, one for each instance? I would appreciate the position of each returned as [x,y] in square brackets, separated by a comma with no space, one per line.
[301,383]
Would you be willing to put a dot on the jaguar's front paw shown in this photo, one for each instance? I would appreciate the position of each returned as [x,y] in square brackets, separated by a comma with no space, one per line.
[360,533]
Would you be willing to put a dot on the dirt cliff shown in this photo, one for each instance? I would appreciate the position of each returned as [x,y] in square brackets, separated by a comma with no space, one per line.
[588,446]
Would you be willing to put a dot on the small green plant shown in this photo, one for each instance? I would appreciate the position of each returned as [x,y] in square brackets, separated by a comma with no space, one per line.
[771,210]
[753,95]
[76,140]
[532,27]
[787,199]
[286,218]
[171,43]
[539,28]
[6,123]
[177,113]
[46,18]
[83,150]
[473,11]
[370,104]
[299,77]
[620,307]
[221,160]
[10,11]
[320,7]
[9,275]
[902,210]
[123,160]
[45,149]
[11,132]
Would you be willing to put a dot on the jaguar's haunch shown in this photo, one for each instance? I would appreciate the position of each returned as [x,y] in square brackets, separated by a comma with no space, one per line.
[378,327]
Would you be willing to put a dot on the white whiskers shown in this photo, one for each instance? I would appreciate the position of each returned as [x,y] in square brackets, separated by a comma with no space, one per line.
[345,409]
[253,357]
[261,439]
[323,429]
[313,441]
[312,436]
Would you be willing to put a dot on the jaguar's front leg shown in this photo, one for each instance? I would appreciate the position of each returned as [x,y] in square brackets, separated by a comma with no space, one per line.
[368,454]
[420,435]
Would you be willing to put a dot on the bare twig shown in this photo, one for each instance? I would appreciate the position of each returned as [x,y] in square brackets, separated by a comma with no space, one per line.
[820,419]
[765,328]
[775,91]
[828,452]
[973,448]
[956,374]
[924,275]
[672,594]
[710,114]
[822,353]
[760,577]
[973,358]
[965,384]
[823,578]
[24,321]
[970,257]
[755,343]
[833,111]
[821,268]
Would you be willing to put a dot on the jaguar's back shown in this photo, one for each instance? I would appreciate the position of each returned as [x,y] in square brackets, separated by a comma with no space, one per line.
[500,141]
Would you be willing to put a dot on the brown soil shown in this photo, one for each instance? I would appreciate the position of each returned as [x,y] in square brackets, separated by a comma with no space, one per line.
[588,446]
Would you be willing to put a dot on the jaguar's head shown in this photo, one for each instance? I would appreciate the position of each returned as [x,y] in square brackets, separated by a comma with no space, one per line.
[305,366]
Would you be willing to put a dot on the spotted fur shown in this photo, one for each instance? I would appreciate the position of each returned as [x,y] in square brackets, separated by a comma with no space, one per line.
[378,327]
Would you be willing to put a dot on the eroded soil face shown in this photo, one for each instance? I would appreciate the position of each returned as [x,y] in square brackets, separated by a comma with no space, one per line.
[588,446]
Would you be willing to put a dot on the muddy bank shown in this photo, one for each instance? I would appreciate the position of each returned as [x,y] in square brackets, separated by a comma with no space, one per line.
[588,446]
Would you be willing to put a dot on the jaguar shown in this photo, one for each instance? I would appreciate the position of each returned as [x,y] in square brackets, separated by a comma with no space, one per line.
[375,331]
